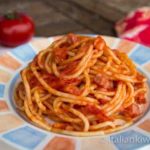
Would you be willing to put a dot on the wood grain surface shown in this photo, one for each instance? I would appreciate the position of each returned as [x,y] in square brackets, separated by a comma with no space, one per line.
[53,17]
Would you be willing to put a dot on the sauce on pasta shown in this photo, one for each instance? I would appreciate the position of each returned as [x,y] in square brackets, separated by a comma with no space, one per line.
[83,85]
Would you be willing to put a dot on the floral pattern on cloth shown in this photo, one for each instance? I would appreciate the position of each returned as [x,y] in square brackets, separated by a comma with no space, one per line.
[135,26]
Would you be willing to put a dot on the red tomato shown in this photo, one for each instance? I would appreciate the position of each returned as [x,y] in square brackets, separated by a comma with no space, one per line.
[15,29]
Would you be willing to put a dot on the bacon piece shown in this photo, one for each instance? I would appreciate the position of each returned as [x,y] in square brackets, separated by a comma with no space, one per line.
[34,82]
[60,83]
[70,68]
[139,77]
[60,54]
[140,98]
[99,43]
[102,117]
[138,85]
[60,125]
[73,81]
[72,89]
[132,111]
[91,109]
[103,101]
[103,82]
[52,80]
[72,38]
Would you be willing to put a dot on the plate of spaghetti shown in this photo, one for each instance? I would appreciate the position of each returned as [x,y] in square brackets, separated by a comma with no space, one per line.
[82,86]
[73,86]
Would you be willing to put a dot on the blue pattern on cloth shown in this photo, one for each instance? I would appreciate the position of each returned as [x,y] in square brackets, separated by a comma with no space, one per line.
[24,52]
[26,137]
[141,55]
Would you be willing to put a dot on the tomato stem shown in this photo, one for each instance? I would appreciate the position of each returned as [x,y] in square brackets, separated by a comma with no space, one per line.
[12,15]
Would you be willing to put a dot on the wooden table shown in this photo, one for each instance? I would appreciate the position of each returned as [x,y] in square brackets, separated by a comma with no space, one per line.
[54,17]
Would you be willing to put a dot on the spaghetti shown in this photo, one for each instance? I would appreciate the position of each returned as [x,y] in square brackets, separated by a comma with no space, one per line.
[82,86]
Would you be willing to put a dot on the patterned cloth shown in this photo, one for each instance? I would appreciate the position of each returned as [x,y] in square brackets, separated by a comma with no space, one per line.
[135,26]
[4,49]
